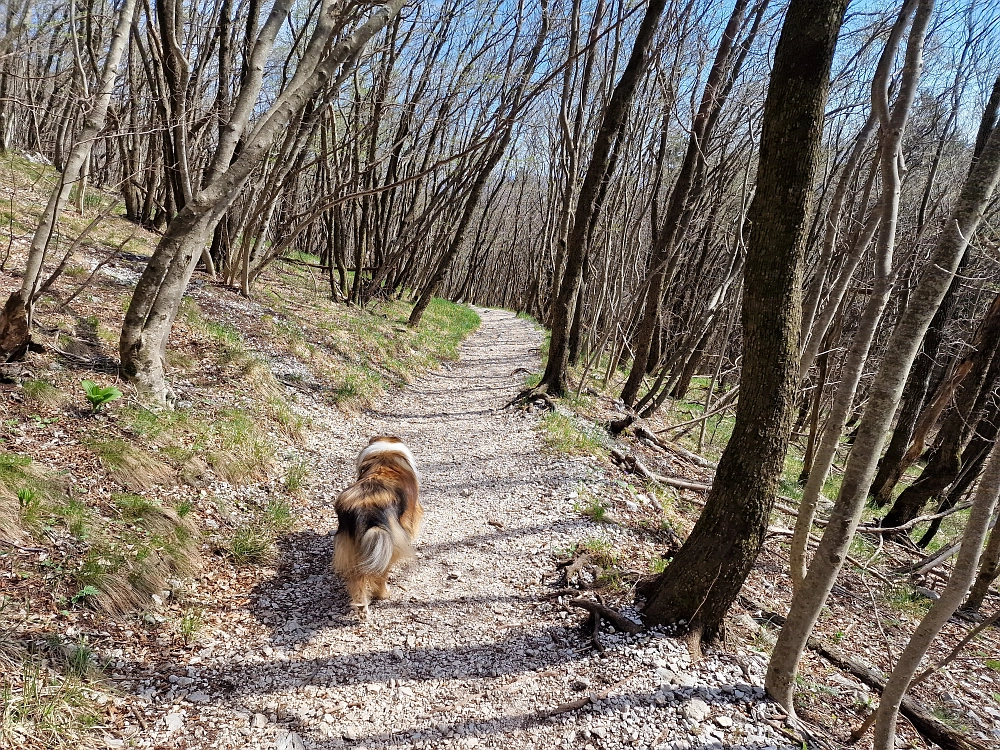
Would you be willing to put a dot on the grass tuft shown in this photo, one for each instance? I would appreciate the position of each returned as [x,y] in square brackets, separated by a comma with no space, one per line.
[566,434]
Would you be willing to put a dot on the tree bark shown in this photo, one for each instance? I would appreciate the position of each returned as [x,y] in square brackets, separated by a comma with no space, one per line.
[886,213]
[706,575]
[946,463]
[562,309]
[76,161]
[944,607]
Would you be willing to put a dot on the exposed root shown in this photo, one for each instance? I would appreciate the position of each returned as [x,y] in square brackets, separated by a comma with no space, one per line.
[599,610]
[692,639]
[531,396]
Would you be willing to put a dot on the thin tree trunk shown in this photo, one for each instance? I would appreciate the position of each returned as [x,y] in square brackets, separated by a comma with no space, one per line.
[158,294]
[943,608]
[77,159]
[982,367]
[890,157]
[562,309]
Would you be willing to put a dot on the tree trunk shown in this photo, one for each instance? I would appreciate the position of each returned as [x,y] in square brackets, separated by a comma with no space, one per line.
[664,256]
[989,569]
[893,465]
[973,458]
[885,393]
[562,309]
[77,159]
[946,463]
[886,213]
[943,608]
[707,573]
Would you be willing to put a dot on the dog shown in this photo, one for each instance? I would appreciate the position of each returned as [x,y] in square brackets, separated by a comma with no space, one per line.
[380,517]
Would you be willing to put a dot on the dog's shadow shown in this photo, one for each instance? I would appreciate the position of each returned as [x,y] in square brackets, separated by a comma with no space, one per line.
[305,595]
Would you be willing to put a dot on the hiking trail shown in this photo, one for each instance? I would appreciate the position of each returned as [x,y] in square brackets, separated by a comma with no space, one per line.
[468,651]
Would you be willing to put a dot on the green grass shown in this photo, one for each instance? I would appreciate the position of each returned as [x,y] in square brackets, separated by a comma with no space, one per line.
[566,434]
[251,542]
[42,391]
[366,352]
[76,516]
[133,506]
[190,623]
[591,506]
[658,564]
[40,706]
[295,477]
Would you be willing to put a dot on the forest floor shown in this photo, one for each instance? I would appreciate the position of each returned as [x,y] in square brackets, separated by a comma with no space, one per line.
[174,588]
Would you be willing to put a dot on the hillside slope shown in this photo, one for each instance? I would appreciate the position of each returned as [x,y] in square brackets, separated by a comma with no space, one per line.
[112,518]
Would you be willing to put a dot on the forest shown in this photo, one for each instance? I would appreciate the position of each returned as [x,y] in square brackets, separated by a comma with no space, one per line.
[758,243]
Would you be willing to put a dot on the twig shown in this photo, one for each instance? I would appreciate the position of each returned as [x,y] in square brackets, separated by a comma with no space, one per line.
[18,547]
[914,522]
[721,405]
[778,531]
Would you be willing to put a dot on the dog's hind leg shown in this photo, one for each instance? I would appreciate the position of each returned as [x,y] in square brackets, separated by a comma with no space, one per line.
[380,588]
[357,587]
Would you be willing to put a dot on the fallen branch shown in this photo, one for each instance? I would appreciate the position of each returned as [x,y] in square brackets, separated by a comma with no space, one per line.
[720,406]
[581,702]
[927,564]
[922,720]
[18,547]
[694,458]
[633,464]
[914,522]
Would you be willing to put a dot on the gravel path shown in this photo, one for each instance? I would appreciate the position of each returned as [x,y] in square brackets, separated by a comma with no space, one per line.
[468,651]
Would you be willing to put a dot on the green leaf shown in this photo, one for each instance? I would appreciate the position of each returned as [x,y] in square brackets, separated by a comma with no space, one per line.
[98,396]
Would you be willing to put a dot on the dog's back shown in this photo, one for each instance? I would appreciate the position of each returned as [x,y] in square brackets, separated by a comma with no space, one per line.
[379,516]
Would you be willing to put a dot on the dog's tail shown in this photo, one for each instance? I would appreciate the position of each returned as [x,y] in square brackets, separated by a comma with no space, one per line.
[381,546]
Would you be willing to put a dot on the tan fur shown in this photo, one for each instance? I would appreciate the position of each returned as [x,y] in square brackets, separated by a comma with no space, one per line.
[380,516]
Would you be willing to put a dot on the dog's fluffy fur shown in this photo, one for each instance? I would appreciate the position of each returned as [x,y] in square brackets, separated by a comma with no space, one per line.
[380,516]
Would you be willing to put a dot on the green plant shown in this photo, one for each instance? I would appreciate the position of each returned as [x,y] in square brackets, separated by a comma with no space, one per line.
[184,507]
[80,658]
[278,516]
[97,395]
[133,506]
[76,516]
[295,477]
[566,434]
[190,624]
[659,564]
[85,592]
[592,506]
[41,391]
[250,544]
[993,664]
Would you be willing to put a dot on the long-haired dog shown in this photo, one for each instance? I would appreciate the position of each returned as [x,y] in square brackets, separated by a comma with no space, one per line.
[380,516]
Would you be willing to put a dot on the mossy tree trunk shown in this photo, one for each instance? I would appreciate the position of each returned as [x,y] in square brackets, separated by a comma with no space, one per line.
[706,575]
[884,396]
